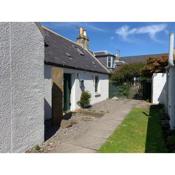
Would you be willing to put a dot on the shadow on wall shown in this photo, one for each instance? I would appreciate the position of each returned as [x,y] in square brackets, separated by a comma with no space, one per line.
[155,142]
[53,124]
[163,95]
[49,129]
[47,110]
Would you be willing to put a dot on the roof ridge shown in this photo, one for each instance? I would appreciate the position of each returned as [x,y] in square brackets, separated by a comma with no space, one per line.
[101,51]
[144,55]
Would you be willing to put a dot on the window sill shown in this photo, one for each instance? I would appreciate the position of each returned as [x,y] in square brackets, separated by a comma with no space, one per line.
[97,94]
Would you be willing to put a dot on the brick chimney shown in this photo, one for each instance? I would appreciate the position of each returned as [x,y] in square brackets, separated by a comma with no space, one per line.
[82,39]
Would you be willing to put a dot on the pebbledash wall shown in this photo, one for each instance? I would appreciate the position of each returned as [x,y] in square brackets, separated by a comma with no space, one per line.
[76,76]
[170,106]
[163,92]
[21,86]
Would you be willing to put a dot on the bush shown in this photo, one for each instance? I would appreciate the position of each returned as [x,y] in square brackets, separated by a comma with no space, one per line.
[85,99]
[127,72]
[124,90]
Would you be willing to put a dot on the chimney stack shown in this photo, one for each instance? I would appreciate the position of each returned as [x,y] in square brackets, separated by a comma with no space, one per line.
[82,39]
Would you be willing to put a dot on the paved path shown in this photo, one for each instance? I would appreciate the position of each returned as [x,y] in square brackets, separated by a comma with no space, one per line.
[88,135]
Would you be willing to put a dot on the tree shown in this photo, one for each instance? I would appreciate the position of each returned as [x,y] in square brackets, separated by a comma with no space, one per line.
[155,65]
[127,72]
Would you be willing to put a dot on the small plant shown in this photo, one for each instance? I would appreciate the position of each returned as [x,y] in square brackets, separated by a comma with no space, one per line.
[37,148]
[85,99]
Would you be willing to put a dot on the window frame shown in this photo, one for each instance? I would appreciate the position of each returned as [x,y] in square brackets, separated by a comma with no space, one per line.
[97,86]
[110,60]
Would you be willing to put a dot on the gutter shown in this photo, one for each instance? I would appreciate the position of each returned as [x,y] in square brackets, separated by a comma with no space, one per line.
[71,67]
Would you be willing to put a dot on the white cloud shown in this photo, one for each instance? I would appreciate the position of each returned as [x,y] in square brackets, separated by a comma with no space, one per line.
[151,30]
[93,27]
[76,25]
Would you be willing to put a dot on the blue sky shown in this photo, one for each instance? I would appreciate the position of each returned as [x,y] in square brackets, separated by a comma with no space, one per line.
[131,38]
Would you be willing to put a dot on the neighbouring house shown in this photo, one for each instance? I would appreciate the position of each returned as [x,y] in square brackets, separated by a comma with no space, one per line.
[109,60]
[21,86]
[71,68]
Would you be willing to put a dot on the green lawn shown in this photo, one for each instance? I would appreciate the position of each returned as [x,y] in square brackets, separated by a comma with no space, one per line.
[140,132]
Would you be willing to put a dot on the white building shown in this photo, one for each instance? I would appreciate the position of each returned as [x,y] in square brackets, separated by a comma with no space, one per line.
[71,68]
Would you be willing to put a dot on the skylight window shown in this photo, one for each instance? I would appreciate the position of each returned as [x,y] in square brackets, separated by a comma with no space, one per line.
[68,54]
[80,51]
[74,46]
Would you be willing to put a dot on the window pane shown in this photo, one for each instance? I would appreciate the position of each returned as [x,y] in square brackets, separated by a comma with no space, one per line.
[96,83]
[109,63]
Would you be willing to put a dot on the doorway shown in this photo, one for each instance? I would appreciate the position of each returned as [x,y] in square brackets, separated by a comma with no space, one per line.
[67,92]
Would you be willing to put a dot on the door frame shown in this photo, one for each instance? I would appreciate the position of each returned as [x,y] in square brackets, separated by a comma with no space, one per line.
[69,75]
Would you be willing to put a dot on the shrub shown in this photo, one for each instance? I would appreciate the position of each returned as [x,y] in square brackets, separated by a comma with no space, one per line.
[127,72]
[85,99]
[155,65]
[123,90]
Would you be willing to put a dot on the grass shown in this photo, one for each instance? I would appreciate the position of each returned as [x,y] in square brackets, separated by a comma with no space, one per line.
[140,132]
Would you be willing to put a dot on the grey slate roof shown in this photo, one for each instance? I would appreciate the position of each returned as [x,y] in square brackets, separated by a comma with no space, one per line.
[62,52]
[140,58]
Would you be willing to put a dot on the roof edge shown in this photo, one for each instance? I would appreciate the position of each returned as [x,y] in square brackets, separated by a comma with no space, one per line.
[144,55]
[71,67]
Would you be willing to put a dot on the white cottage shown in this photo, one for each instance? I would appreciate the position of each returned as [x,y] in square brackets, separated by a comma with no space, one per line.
[69,67]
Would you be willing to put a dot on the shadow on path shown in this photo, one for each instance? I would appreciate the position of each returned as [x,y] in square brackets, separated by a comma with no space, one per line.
[50,129]
[155,142]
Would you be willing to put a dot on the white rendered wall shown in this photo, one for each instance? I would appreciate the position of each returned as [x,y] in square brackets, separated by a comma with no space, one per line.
[5,89]
[171,97]
[21,93]
[159,95]
[47,92]
[89,84]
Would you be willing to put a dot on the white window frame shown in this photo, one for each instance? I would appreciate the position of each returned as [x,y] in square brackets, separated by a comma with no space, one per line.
[111,59]
[97,93]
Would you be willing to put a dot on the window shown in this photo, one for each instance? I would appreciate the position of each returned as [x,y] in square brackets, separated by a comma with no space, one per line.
[82,87]
[96,83]
[110,62]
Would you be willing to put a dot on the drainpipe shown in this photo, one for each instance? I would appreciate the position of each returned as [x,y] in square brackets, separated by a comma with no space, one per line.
[169,78]
[171,50]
